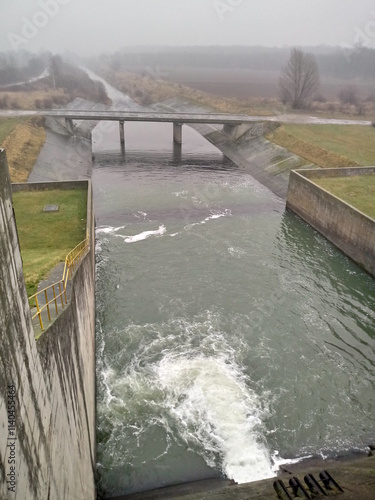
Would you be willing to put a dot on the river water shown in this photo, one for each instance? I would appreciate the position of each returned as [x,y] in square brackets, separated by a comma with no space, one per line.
[230,335]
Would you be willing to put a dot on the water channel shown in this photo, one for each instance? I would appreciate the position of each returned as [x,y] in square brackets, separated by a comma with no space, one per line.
[229,333]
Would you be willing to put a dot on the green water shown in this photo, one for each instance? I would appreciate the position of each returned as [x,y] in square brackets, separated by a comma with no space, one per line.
[230,335]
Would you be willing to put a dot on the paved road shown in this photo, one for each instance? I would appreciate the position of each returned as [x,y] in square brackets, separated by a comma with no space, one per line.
[152,116]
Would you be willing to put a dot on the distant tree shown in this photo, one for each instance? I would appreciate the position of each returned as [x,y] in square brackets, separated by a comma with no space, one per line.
[349,95]
[299,79]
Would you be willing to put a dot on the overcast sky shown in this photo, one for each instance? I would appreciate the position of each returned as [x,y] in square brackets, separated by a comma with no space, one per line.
[97,26]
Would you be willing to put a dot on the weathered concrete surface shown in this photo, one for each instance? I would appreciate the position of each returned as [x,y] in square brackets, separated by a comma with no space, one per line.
[65,156]
[187,117]
[346,227]
[53,381]
[245,145]
[356,478]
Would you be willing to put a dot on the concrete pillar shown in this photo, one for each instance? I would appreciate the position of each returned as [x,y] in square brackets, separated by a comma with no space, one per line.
[122,132]
[177,153]
[69,125]
[177,133]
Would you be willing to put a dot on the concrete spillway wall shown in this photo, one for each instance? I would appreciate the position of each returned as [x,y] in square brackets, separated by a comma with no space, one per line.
[47,388]
[346,227]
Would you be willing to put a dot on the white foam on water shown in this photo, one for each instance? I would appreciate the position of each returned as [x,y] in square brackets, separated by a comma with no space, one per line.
[194,389]
[236,252]
[145,234]
[182,194]
[108,229]
[214,215]
[214,408]
[139,214]
[217,215]
[279,461]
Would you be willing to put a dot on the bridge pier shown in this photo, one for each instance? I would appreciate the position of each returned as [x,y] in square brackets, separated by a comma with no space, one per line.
[122,133]
[69,125]
[177,133]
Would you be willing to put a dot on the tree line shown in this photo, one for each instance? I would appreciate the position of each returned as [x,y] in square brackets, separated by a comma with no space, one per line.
[337,62]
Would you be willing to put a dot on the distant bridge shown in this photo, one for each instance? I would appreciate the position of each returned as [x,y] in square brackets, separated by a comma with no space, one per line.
[177,118]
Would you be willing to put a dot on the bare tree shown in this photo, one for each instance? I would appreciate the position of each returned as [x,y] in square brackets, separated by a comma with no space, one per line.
[349,95]
[299,79]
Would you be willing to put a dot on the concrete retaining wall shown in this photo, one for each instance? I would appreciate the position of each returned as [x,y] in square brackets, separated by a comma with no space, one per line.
[38,186]
[346,227]
[47,388]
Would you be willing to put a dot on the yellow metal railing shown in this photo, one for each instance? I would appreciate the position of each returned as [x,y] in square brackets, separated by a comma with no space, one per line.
[58,289]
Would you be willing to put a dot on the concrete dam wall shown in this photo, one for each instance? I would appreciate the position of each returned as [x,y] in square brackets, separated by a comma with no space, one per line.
[47,388]
[346,227]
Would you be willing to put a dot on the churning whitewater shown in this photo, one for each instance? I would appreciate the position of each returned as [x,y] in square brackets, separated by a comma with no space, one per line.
[229,333]
[188,390]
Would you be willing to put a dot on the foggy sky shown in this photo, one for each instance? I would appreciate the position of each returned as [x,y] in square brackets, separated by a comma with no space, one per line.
[96,26]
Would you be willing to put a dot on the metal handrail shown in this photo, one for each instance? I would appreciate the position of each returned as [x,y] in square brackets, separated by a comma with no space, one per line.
[72,261]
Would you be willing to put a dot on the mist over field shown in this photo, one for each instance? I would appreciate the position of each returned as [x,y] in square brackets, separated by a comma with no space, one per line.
[91,27]
[233,49]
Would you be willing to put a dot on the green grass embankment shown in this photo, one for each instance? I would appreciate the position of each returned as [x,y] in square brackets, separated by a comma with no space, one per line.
[329,146]
[47,237]
[358,191]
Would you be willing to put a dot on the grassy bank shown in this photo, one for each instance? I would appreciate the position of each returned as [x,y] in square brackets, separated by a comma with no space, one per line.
[22,138]
[328,145]
[34,98]
[47,237]
[358,191]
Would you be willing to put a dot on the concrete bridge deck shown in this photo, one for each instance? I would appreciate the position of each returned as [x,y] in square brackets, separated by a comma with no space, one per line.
[177,118]
[144,116]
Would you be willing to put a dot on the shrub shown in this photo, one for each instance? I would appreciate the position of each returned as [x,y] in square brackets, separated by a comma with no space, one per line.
[47,103]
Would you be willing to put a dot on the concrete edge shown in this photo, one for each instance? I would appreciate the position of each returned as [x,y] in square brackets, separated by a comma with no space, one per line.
[309,174]
[44,186]
[346,227]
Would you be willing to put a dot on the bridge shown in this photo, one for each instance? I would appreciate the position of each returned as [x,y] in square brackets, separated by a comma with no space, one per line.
[177,118]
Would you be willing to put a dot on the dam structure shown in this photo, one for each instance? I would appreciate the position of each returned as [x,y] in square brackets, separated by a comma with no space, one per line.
[47,387]
[174,344]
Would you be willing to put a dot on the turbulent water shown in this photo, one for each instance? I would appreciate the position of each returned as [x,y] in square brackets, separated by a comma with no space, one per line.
[229,333]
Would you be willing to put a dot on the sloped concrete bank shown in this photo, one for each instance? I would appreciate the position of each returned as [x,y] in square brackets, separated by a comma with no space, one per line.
[247,147]
[47,388]
[65,156]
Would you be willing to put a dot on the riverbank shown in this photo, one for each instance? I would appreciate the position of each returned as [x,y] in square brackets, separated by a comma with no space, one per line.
[23,139]
[64,156]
